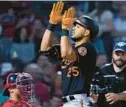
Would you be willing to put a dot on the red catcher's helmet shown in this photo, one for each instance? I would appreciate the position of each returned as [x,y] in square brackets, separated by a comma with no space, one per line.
[23,82]
[9,82]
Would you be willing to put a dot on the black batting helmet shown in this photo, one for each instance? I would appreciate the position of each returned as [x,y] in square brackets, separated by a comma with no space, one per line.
[88,23]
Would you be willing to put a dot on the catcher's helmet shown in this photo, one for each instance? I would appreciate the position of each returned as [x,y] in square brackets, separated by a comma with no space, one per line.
[23,82]
[88,23]
[9,82]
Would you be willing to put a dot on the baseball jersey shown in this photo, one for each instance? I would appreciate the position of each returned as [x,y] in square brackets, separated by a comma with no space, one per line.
[117,84]
[76,75]
[11,103]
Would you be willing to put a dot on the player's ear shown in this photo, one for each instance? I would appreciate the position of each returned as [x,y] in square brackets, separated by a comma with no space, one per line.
[9,89]
[87,32]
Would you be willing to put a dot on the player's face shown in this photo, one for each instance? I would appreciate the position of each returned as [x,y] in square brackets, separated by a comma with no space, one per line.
[14,91]
[23,34]
[119,58]
[78,32]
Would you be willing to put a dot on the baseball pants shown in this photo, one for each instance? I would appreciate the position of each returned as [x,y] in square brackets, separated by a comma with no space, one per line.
[81,100]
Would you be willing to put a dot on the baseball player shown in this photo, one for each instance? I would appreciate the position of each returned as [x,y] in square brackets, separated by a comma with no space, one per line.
[78,60]
[19,88]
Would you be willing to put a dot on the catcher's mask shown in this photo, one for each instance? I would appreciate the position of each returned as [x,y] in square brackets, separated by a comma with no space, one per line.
[23,82]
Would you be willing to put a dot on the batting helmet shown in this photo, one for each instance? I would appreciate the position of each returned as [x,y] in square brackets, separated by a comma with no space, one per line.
[9,82]
[88,23]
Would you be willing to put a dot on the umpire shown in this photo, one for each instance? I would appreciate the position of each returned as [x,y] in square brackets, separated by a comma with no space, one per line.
[113,77]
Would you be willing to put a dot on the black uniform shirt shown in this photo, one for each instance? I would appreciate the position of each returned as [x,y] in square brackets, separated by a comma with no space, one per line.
[117,84]
[76,75]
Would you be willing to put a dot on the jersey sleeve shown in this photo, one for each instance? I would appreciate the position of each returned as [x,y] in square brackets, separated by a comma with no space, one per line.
[53,52]
[81,53]
[85,54]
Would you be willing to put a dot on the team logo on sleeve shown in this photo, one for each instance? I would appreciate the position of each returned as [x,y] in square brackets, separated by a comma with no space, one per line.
[82,51]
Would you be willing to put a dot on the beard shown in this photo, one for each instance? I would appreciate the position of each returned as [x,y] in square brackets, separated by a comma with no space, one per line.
[76,39]
[119,62]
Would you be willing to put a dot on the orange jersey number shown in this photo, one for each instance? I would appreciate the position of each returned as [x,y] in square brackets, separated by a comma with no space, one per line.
[73,72]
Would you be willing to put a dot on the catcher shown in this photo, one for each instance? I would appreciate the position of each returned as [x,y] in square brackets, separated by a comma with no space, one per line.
[20,89]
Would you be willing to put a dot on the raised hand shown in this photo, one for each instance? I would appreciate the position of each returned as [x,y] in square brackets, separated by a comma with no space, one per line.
[56,13]
[68,18]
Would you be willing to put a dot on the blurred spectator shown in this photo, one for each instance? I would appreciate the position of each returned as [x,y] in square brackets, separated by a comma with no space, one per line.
[18,65]
[47,67]
[104,17]
[9,16]
[57,84]
[116,5]
[55,101]
[22,48]
[37,30]
[5,46]
[101,59]
[119,27]
[41,89]
[22,35]
[82,8]
[8,20]
[23,20]
[6,67]
[44,63]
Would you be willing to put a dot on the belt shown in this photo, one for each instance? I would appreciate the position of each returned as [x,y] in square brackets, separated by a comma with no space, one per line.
[68,98]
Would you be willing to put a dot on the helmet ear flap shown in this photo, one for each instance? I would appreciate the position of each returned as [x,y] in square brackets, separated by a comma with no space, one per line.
[6,93]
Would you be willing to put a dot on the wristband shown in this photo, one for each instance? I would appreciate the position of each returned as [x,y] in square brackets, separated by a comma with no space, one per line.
[65,32]
[51,27]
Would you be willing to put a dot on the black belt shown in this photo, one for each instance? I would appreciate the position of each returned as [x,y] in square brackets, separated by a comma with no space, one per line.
[65,100]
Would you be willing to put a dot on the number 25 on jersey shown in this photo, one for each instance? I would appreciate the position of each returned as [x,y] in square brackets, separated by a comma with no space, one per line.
[73,72]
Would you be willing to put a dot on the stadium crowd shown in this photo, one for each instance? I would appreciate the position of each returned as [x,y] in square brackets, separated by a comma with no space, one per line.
[22,24]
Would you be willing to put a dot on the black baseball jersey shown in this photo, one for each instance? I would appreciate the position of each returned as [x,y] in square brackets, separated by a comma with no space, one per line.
[117,81]
[76,75]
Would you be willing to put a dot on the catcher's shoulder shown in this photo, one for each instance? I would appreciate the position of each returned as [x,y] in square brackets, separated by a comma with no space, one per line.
[8,103]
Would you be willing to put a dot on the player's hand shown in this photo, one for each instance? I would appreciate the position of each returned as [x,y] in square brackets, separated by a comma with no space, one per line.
[111,97]
[94,98]
[56,13]
[68,18]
